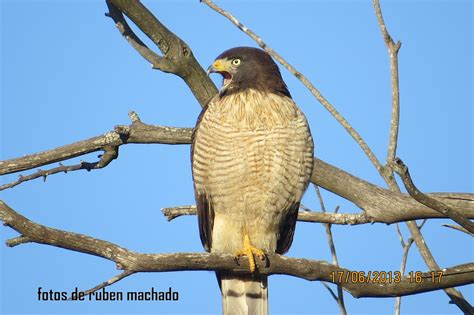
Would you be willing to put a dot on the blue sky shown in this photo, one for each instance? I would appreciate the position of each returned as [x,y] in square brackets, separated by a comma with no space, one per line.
[67,75]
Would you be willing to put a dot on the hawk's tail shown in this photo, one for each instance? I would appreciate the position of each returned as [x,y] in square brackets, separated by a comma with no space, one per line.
[244,295]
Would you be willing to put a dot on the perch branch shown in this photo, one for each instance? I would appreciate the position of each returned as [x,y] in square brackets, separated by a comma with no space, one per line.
[302,268]
[432,203]
[329,107]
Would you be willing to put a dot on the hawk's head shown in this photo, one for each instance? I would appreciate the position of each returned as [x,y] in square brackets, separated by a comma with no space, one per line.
[248,68]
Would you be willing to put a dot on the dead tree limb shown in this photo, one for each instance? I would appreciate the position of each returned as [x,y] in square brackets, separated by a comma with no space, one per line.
[359,285]
[434,204]
[455,295]
[177,57]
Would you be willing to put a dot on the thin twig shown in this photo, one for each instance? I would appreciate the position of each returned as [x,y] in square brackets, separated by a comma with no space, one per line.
[455,295]
[432,203]
[17,241]
[400,236]
[110,153]
[340,293]
[156,61]
[406,248]
[172,213]
[111,281]
[306,215]
[331,291]
[393,49]
[458,228]
[177,57]
[330,108]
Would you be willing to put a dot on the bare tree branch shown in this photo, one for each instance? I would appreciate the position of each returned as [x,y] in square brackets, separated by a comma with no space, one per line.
[303,216]
[303,268]
[177,56]
[17,241]
[172,213]
[156,61]
[110,153]
[459,228]
[406,248]
[455,296]
[137,132]
[340,294]
[395,118]
[111,281]
[402,170]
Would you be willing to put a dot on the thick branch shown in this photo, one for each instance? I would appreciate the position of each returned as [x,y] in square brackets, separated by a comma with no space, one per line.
[137,132]
[302,268]
[177,56]
[383,205]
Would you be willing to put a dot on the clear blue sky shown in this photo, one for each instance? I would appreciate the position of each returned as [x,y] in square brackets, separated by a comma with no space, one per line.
[67,75]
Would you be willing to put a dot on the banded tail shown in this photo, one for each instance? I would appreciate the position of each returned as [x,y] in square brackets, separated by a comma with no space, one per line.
[244,295]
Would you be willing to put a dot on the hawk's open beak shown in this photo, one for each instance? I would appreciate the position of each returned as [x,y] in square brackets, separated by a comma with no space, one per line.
[218,66]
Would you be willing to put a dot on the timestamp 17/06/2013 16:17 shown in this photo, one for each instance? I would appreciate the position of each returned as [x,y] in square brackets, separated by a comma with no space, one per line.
[385,276]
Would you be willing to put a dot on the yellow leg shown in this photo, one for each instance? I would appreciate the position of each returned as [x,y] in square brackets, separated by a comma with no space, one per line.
[249,250]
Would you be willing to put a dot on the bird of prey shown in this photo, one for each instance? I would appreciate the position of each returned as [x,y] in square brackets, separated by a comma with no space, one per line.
[252,158]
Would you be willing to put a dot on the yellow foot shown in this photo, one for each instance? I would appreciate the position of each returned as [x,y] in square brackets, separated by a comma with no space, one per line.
[249,250]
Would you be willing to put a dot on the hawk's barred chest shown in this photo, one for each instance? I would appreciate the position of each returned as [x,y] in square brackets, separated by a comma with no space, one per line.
[252,160]
[254,110]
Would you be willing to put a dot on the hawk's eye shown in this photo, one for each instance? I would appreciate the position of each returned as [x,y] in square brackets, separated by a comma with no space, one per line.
[236,61]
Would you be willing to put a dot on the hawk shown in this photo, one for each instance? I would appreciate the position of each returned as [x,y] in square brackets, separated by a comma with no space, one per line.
[252,158]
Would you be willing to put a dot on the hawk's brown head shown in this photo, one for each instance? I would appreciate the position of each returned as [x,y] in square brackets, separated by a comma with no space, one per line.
[248,68]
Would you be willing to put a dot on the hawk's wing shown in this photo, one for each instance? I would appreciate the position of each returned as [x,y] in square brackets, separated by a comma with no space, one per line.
[204,209]
[287,230]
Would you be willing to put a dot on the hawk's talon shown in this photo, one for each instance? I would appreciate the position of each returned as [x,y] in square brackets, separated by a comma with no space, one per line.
[250,251]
